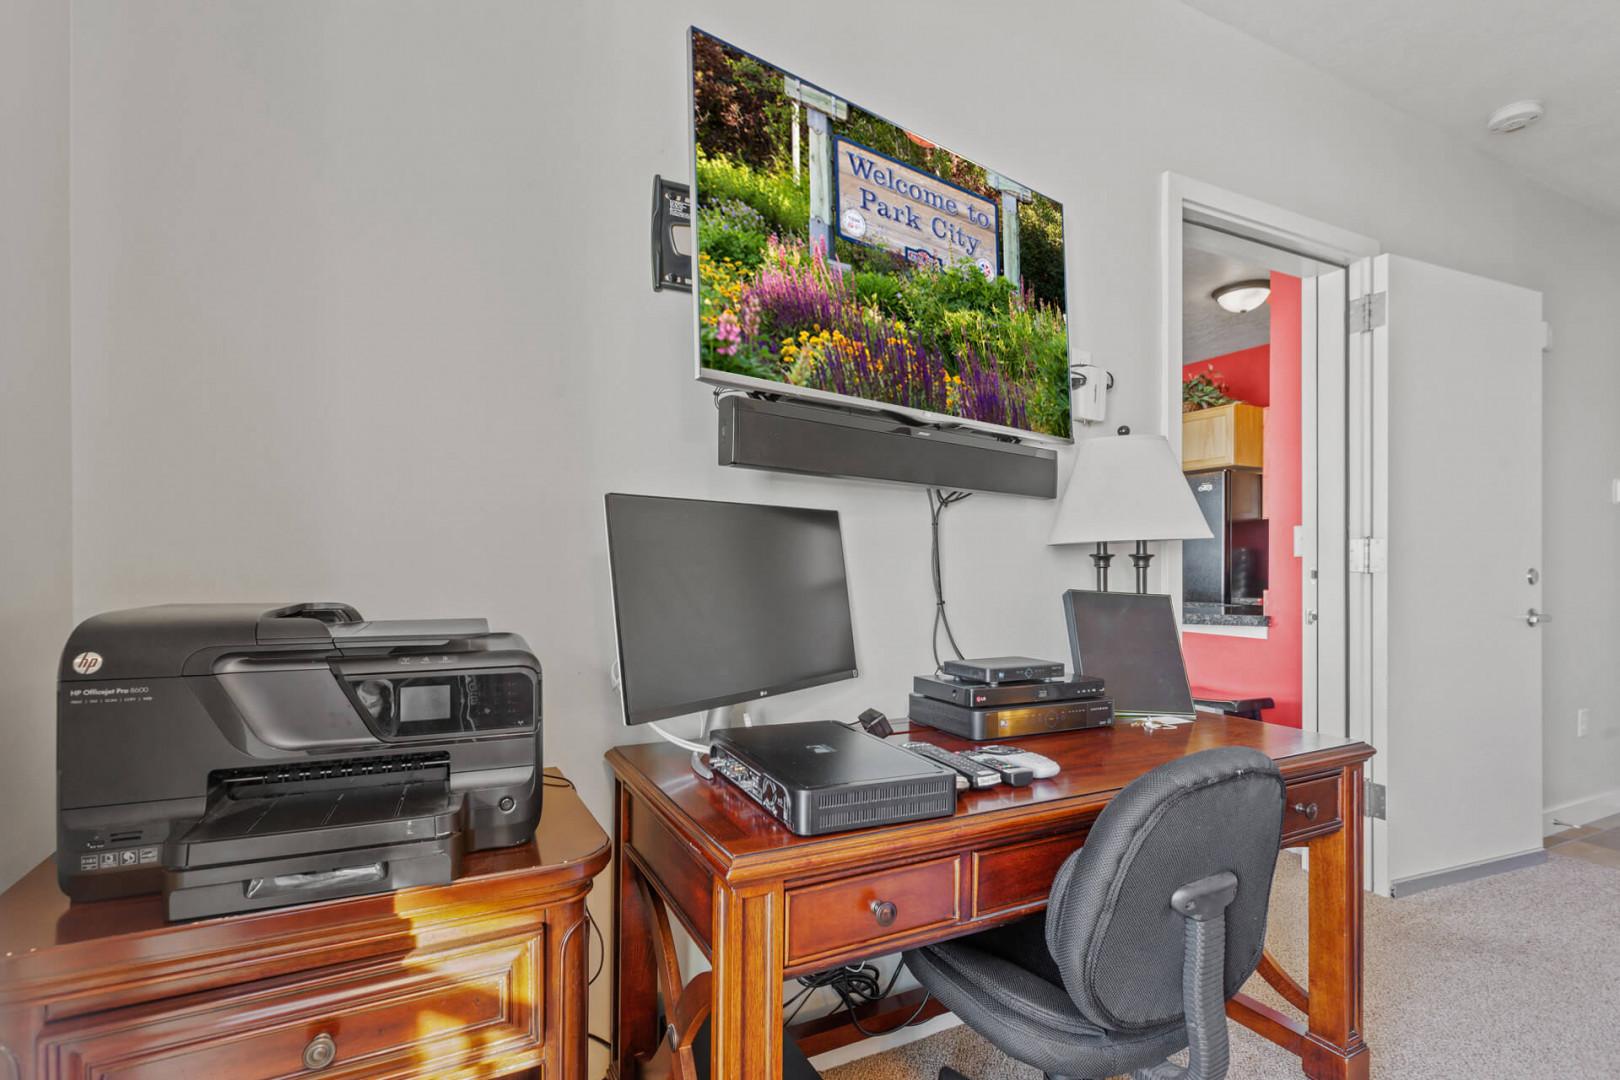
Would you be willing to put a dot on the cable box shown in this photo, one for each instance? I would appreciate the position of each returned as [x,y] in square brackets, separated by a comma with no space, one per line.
[1002,669]
[972,695]
[1011,721]
[819,777]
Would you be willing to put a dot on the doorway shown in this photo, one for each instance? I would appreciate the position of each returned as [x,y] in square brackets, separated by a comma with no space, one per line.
[1256,379]
[1412,580]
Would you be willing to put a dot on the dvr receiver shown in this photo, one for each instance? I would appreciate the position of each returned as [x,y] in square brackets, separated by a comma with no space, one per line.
[974,695]
[1001,669]
[1011,722]
[821,777]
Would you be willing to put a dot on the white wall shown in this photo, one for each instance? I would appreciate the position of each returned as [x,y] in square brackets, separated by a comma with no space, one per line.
[35,473]
[362,304]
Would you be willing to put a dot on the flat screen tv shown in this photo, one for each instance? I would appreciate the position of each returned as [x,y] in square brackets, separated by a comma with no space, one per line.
[844,258]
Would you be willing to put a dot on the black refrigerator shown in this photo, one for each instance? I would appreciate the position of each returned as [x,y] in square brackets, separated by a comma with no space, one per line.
[1230,567]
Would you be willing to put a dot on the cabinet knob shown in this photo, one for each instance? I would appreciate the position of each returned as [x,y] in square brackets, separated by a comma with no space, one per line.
[1307,809]
[320,1052]
[884,912]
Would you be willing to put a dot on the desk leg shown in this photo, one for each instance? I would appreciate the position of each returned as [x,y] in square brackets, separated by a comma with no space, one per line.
[1333,1048]
[748,949]
[635,982]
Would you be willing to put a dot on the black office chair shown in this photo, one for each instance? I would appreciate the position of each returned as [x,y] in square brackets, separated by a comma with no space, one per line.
[1150,928]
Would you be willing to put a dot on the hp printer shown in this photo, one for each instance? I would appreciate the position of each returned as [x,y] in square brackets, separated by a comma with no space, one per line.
[239,756]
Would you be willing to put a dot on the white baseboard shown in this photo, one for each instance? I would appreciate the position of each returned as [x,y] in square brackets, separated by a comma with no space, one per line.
[868,1047]
[1580,812]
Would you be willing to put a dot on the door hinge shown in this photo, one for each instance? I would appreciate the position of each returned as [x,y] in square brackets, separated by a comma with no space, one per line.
[1368,312]
[1374,800]
[1368,555]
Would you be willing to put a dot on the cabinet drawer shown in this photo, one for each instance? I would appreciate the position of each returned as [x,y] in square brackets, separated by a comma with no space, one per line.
[421,1017]
[828,918]
[1019,875]
[1311,807]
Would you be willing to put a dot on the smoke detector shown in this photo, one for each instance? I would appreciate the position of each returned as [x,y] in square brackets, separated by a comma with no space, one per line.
[1515,117]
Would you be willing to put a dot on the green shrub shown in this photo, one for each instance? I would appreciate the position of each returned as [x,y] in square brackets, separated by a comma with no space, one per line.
[1040,250]
[737,245]
[784,205]
[878,289]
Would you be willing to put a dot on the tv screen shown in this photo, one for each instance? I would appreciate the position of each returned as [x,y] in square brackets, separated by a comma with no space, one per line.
[843,257]
[719,602]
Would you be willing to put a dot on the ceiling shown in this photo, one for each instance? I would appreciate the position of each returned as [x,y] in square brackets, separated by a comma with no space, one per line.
[1207,329]
[1454,62]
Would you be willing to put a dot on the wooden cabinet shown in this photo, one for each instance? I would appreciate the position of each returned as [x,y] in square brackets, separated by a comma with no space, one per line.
[1228,436]
[482,977]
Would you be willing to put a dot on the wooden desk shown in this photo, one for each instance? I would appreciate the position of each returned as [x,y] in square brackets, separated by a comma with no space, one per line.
[766,905]
[482,977]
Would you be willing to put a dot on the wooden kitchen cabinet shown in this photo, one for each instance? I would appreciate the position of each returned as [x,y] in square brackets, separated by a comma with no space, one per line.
[1228,436]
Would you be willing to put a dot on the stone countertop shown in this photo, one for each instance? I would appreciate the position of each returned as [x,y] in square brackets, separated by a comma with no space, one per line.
[1194,614]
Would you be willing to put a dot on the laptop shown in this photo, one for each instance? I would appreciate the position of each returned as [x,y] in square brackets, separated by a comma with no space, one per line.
[1130,641]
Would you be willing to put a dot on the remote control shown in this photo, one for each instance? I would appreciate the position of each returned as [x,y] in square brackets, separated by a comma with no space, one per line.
[1043,767]
[1012,773]
[979,776]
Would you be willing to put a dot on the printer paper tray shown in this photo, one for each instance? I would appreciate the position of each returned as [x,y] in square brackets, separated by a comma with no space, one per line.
[329,875]
[239,830]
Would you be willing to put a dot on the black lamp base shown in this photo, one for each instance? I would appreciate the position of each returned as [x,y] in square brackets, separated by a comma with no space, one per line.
[1100,559]
[1141,558]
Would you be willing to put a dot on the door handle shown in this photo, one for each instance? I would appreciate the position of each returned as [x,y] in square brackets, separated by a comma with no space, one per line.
[1535,618]
[1532,576]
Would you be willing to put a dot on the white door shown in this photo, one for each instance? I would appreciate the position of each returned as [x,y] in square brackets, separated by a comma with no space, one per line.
[1323,476]
[1445,437]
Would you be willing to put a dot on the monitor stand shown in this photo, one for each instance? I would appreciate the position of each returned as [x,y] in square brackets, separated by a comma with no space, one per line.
[700,750]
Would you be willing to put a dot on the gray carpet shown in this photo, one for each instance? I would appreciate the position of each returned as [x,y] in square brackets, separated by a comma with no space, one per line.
[1515,976]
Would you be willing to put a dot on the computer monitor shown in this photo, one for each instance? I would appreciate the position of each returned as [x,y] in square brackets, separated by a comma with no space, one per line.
[1130,641]
[719,602]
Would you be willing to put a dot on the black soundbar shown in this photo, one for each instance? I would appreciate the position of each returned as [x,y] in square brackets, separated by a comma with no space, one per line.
[829,440]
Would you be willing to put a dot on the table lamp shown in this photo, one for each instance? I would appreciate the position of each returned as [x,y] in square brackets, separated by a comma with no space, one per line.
[1127,487]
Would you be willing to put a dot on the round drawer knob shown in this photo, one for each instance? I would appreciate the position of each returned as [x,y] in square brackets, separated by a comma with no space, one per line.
[1307,809]
[884,912]
[320,1052]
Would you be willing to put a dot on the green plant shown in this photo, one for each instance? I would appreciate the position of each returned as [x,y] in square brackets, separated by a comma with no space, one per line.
[1040,245]
[1204,391]
[784,205]
[877,289]
[740,246]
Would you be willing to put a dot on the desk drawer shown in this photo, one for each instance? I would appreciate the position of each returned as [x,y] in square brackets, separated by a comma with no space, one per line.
[1311,807]
[421,1018]
[869,909]
[1019,875]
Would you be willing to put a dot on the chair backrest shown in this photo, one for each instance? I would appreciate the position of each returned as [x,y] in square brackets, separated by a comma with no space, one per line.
[1109,924]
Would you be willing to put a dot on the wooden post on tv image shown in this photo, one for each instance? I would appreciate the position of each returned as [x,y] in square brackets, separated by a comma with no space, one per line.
[820,109]
[1012,193]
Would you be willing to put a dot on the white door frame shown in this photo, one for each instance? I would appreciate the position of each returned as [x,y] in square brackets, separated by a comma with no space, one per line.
[1184,199]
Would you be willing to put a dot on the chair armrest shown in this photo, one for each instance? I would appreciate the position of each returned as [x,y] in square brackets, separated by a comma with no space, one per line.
[1203,904]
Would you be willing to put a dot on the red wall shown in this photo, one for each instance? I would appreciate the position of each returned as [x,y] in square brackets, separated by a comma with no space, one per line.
[1246,373]
[1248,667]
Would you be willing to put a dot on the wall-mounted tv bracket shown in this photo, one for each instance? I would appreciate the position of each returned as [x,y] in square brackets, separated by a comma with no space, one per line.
[671,235]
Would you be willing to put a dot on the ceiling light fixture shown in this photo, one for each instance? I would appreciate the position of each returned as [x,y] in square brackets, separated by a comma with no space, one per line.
[1515,117]
[1242,296]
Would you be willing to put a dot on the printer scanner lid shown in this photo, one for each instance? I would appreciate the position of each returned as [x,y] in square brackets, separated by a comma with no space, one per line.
[184,639]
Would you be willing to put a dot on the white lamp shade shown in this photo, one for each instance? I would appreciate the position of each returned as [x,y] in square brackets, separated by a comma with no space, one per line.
[1127,487]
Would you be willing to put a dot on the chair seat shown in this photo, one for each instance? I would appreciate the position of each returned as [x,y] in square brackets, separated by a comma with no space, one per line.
[1029,1017]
